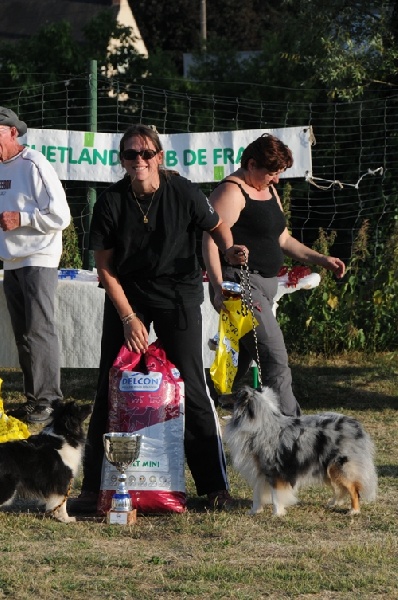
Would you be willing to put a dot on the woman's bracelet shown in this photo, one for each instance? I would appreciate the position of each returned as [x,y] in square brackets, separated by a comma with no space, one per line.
[224,253]
[128,318]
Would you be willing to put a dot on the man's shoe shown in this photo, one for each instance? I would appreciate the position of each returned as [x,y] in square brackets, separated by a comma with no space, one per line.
[85,503]
[23,411]
[40,415]
[220,500]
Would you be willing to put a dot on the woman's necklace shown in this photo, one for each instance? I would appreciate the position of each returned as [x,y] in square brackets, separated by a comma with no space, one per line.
[144,214]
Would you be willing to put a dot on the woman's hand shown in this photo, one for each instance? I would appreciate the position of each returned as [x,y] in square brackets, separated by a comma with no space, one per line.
[218,301]
[236,255]
[334,264]
[136,335]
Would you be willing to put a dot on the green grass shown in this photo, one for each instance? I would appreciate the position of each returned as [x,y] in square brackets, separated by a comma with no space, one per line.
[312,553]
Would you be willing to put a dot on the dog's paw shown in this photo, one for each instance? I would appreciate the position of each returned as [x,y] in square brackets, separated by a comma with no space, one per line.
[71,520]
[335,502]
[279,511]
[255,511]
[354,511]
[66,519]
[63,517]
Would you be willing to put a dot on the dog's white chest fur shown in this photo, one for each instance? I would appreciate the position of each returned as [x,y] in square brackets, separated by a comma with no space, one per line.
[71,457]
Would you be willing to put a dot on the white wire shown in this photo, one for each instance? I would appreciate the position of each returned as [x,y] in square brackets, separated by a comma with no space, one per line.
[311,179]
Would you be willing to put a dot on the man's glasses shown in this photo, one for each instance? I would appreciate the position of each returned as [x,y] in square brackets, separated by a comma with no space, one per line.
[133,154]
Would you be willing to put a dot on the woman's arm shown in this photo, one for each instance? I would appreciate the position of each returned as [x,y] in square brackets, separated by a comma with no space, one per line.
[228,203]
[135,333]
[298,251]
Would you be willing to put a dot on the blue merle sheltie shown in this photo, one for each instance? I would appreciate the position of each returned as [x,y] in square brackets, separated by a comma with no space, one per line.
[277,454]
[43,466]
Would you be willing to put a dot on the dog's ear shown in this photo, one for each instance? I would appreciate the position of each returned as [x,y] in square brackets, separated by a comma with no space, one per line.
[85,410]
[244,402]
[243,394]
[226,401]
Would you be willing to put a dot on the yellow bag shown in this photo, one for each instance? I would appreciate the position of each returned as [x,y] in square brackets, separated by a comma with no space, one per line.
[233,324]
[10,427]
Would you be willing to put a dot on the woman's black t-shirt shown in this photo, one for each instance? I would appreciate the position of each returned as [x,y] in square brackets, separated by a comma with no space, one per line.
[156,262]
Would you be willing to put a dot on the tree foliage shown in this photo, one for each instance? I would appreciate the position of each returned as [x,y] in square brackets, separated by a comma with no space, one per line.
[303,48]
[53,52]
[350,46]
[175,26]
[346,48]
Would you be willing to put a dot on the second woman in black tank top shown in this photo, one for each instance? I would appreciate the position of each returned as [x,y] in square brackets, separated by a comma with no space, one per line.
[259,227]
[253,211]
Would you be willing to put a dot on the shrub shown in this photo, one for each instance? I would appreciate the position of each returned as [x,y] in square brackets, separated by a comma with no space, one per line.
[360,312]
[71,256]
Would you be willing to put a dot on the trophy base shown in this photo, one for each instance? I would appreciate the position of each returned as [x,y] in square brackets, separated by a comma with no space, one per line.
[116,517]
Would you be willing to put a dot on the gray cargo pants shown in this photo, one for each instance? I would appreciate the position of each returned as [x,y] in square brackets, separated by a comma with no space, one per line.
[30,296]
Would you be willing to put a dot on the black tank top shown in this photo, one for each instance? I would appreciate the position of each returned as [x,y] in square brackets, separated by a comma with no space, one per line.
[259,226]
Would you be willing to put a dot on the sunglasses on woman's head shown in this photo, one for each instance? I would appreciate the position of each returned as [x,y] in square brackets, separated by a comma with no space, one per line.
[146,154]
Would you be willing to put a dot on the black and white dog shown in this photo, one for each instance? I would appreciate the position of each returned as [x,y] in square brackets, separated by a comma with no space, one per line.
[277,454]
[43,466]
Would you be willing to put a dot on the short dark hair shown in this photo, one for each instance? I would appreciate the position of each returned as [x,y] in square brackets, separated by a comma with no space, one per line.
[269,152]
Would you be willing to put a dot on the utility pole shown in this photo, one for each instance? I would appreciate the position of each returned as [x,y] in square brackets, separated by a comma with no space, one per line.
[203,29]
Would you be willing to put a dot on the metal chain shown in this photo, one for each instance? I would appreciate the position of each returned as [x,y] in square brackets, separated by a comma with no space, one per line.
[247,306]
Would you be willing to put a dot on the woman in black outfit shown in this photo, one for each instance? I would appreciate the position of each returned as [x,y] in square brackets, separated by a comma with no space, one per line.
[143,237]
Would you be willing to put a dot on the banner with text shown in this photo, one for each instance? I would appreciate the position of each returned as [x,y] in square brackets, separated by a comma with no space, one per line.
[201,157]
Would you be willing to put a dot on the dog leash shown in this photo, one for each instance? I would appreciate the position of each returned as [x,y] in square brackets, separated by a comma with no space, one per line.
[53,510]
[248,307]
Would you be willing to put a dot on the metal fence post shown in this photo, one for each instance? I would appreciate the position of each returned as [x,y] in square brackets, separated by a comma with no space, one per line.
[88,261]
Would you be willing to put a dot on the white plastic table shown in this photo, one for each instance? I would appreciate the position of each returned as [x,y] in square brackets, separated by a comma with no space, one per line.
[79,312]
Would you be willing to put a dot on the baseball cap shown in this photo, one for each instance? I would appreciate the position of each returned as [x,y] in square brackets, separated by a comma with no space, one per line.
[10,119]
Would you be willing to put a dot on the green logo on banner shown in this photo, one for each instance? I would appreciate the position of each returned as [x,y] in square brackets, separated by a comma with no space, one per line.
[89,139]
[218,173]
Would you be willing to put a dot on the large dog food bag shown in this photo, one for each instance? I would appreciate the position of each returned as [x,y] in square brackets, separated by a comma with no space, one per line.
[146,396]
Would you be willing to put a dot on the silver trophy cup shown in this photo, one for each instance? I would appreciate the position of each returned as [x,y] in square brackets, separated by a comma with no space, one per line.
[121,449]
[230,289]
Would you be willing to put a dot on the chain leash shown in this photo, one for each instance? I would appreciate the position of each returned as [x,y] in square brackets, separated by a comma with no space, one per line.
[247,306]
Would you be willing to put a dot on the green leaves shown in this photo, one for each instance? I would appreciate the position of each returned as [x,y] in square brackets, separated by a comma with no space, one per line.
[358,313]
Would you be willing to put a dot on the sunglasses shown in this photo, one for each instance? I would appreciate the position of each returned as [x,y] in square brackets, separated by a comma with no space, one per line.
[133,154]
